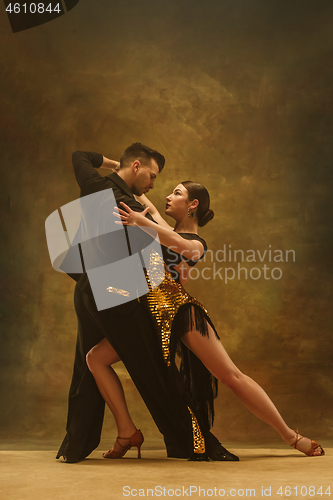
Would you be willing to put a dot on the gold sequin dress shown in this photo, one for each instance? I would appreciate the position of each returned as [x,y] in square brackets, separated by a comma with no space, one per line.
[174,312]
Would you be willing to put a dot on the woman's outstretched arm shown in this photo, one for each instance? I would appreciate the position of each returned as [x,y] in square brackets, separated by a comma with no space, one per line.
[153,211]
[190,249]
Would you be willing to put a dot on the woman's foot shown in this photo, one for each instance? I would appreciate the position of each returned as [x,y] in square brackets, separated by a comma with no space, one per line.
[122,445]
[306,445]
[121,442]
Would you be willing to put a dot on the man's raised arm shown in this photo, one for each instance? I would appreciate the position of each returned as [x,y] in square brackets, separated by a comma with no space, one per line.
[85,165]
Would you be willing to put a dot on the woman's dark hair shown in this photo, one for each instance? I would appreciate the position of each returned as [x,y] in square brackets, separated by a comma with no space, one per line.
[198,192]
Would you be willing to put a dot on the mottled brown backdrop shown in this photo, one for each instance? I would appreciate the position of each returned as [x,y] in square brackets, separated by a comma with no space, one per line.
[238,96]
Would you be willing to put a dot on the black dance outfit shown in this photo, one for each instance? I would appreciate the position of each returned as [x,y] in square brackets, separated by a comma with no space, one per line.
[129,329]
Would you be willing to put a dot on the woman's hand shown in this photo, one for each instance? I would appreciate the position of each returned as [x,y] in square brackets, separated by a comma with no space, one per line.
[129,217]
[110,164]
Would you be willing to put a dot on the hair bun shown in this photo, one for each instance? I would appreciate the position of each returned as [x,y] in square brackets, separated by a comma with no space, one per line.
[206,218]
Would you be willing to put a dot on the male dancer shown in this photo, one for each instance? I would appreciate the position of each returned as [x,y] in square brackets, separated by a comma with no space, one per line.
[127,327]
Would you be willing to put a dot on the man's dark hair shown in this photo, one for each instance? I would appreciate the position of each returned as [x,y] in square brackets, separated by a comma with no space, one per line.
[138,151]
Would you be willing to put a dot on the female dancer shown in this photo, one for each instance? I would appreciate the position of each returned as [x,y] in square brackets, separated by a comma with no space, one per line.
[180,317]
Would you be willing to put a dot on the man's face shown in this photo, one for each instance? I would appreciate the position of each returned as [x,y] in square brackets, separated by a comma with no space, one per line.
[144,177]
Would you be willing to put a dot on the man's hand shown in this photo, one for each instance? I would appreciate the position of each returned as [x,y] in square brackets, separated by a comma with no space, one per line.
[110,164]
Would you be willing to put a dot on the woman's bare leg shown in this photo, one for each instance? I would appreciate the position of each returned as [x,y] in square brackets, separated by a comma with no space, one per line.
[213,355]
[99,360]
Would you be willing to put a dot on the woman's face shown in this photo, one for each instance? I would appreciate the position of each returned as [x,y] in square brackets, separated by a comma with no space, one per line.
[177,202]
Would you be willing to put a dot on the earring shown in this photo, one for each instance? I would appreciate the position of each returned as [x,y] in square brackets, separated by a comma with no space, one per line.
[190,214]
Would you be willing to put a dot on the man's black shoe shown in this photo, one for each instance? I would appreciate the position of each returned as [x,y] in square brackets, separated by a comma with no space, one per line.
[68,459]
[71,460]
[217,452]
[220,454]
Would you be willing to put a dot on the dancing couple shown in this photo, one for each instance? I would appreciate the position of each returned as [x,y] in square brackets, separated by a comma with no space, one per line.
[148,333]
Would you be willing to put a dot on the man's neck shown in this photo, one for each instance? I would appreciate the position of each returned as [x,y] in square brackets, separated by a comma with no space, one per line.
[126,176]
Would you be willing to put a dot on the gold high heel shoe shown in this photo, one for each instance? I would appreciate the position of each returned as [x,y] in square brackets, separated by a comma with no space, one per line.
[135,440]
[314,447]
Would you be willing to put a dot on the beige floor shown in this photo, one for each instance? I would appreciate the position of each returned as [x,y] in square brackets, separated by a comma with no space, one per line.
[27,475]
